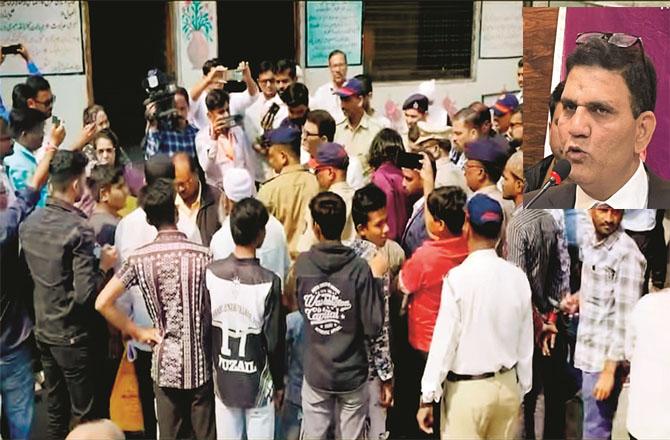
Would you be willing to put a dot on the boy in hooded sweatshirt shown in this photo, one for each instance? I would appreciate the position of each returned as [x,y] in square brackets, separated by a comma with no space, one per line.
[340,297]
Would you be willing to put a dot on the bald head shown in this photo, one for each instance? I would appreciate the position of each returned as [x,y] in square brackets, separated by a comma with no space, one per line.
[186,177]
[513,178]
[103,429]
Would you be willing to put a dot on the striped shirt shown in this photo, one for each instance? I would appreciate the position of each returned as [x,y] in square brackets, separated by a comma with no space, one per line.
[612,278]
[170,272]
[533,244]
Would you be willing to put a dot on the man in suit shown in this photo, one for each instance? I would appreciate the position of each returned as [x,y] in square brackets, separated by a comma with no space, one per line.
[607,123]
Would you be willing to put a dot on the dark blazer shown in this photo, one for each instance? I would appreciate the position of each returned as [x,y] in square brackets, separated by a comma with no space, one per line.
[208,215]
[563,196]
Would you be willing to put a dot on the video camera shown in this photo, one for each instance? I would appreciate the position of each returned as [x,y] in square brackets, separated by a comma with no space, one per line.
[161,90]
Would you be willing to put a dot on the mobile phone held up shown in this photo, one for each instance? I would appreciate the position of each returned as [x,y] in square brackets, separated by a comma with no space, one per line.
[404,159]
[55,121]
[11,50]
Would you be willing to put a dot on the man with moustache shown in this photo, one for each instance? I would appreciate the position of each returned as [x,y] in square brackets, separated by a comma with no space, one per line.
[606,129]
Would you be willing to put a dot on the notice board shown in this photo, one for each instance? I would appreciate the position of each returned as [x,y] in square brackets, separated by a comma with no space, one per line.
[330,26]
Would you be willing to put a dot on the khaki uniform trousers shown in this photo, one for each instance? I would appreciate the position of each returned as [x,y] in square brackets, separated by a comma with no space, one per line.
[481,409]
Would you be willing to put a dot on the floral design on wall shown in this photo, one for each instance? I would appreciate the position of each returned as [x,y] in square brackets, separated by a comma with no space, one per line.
[196,27]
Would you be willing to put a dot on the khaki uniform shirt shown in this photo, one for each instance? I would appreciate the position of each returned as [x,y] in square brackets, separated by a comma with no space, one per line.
[357,140]
[287,197]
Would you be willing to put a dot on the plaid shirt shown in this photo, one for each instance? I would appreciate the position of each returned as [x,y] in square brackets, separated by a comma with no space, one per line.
[170,142]
[612,278]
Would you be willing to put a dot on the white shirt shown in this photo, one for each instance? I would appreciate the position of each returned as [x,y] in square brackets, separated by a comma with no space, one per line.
[132,232]
[326,99]
[355,177]
[639,220]
[632,195]
[273,253]
[649,352]
[257,110]
[197,110]
[484,324]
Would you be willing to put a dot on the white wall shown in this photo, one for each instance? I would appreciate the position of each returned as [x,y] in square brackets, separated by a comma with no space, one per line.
[71,99]
[489,76]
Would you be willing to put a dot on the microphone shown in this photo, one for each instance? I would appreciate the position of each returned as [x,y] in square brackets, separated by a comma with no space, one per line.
[558,174]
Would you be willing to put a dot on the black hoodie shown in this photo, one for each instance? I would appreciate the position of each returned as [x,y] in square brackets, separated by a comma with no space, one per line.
[342,304]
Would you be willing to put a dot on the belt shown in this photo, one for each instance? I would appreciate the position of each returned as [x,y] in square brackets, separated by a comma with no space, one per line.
[454,377]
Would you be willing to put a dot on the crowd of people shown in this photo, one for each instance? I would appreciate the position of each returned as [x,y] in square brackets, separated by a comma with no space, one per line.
[292,265]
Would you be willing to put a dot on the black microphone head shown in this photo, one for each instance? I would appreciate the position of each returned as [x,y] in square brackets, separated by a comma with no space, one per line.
[562,169]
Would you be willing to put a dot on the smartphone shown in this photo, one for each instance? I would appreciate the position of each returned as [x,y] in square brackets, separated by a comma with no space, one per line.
[11,50]
[55,121]
[232,75]
[404,159]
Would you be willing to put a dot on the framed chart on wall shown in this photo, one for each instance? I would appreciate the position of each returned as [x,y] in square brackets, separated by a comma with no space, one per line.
[501,30]
[333,25]
[50,30]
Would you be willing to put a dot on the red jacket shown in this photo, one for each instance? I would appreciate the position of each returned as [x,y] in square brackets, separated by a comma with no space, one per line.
[422,275]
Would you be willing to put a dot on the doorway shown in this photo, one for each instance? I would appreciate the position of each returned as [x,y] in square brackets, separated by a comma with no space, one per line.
[255,31]
[127,39]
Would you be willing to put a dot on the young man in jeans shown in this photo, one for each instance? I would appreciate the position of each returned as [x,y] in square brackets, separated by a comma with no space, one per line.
[342,304]
[58,246]
[248,331]
[170,272]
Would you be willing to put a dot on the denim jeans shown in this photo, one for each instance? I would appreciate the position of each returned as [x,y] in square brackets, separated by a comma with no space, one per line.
[599,414]
[290,421]
[17,388]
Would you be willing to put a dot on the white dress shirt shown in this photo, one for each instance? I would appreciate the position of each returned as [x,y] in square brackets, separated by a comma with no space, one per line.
[273,253]
[649,354]
[632,195]
[484,324]
[639,220]
[326,99]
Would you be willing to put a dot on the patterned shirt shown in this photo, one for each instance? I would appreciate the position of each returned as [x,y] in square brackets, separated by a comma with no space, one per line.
[533,244]
[612,278]
[170,142]
[20,167]
[170,272]
[379,348]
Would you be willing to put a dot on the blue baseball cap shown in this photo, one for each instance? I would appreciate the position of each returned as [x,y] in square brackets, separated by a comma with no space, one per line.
[330,154]
[352,87]
[506,104]
[483,210]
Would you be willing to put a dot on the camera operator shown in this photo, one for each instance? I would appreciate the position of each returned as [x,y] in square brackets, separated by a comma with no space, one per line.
[215,76]
[171,135]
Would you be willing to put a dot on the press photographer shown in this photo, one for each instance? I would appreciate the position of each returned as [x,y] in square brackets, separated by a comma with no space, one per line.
[167,130]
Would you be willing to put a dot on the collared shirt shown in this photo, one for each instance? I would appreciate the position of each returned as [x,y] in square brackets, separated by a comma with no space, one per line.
[188,215]
[287,197]
[484,324]
[612,277]
[58,245]
[20,167]
[216,156]
[379,348]
[507,208]
[357,140]
[649,353]
[273,253]
[533,240]
[170,272]
[170,141]
[307,238]
[326,99]
[632,195]
[415,233]
[132,232]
